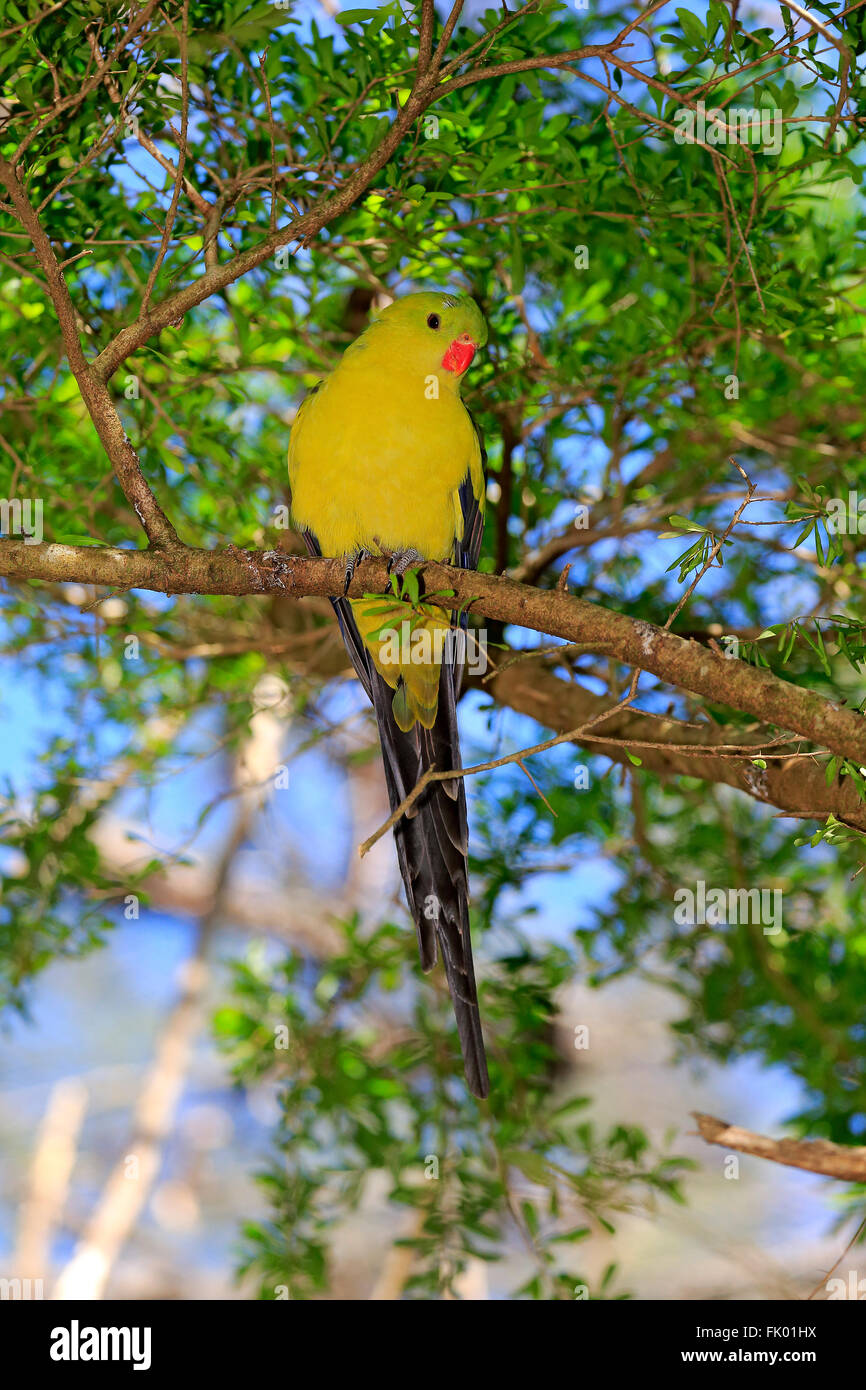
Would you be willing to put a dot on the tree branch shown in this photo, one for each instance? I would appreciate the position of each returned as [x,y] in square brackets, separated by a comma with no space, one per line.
[795,783]
[681,663]
[425,37]
[300,229]
[181,160]
[136,24]
[447,31]
[94,393]
[815,1155]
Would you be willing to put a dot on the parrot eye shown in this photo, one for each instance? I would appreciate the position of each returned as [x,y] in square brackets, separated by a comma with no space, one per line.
[433,320]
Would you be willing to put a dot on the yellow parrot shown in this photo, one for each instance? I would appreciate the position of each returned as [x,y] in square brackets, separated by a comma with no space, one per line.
[385,459]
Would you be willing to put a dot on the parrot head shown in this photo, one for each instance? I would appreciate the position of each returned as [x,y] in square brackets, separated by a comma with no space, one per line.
[435,333]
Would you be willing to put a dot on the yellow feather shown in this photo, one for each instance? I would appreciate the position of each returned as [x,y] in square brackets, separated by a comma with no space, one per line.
[376,459]
[407,646]
[382,483]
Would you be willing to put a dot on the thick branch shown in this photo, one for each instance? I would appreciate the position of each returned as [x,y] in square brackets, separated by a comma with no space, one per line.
[425,38]
[635,643]
[94,393]
[795,784]
[815,1155]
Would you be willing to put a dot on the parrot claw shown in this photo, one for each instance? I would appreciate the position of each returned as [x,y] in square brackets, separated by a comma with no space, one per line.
[352,562]
[401,560]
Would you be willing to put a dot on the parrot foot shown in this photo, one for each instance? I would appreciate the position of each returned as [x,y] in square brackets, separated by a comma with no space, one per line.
[401,560]
[352,562]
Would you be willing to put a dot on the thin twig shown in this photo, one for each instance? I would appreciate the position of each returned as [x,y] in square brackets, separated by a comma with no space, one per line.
[181,160]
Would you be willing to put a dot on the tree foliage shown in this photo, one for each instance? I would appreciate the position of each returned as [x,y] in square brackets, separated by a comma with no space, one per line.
[227,189]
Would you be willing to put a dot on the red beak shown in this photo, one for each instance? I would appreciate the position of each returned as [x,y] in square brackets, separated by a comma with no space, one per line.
[459,355]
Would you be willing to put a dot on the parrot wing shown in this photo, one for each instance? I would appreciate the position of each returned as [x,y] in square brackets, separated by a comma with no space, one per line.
[472,506]
[468,548]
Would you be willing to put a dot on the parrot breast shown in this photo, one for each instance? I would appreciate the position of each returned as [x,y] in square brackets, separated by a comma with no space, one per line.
[375,463]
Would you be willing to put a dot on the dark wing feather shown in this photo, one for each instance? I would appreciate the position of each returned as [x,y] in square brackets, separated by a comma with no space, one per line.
[351,637]
[431,848]
[468,548]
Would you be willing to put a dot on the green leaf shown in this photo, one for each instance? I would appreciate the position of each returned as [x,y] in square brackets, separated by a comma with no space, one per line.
[346,17]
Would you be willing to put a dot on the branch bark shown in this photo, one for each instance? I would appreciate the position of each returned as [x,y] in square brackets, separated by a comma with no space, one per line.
[814,1155]
[796,785]
[94,392]
[686,664]
[49,1177]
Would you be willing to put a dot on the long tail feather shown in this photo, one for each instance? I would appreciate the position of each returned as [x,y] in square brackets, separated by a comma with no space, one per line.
[431,843]
[432,839]
[431,849]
